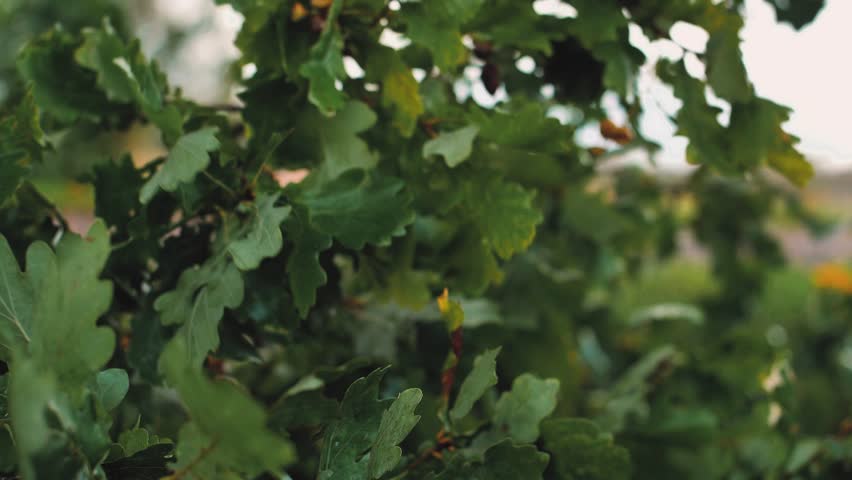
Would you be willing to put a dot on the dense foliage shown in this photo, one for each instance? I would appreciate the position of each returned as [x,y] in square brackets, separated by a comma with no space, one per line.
[453,292]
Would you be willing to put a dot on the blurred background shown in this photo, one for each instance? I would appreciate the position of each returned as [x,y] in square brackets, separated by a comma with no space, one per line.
[193,42]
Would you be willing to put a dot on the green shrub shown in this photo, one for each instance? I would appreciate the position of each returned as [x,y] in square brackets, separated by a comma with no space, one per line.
[214,323]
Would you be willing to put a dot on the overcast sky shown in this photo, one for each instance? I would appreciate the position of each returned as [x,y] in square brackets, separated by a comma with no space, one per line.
[810,71]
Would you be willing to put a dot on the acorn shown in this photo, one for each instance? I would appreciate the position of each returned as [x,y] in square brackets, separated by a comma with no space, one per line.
[483,49]
[611,131]
[491,77]
[596,151]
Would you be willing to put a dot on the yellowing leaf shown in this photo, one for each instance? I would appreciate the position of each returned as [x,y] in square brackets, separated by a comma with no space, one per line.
[451,310]
[793,166]
[400,91]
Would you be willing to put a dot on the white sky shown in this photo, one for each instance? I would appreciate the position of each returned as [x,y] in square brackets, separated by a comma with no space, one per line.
[809,71]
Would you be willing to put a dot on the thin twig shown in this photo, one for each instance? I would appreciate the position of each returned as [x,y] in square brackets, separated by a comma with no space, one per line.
[226,108]
[275,142]
[219,183]
[201,456]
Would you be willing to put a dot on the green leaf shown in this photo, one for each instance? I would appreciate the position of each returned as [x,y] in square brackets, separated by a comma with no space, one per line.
[304,408]
[580,450]
[49,420]
[506,461]
[803,452]
[60,86]
[509,23]
[445,44]
[503,461]
[597,21]
[46,427]
[325,65]
[798,13]
[591,217]
[17,299]
[757,137]
[203,292]
[726,72]
[117,206]
[696,120]
[482,377]
[111,386]
[149,338]
[21,143]
[523,125]
[105,53]
[194,457]
[627,397]
[189,156]
[71,299]
[261,237]
[198,303]
[519,411]
[355,431]
[54,319]
[452,12]
[227,431]
[359,208]
[29,394]
[15,168]
[622,62]
[504,214]
[436,26]
[476,264]
[342,148]
[8,460]
[454,146]
[304,271]
[753,138]
[59,348]
[126,77]
[397,422]
[136,440]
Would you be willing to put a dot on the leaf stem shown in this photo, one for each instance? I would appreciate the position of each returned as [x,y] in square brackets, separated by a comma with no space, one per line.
[180,473]
[219,183]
